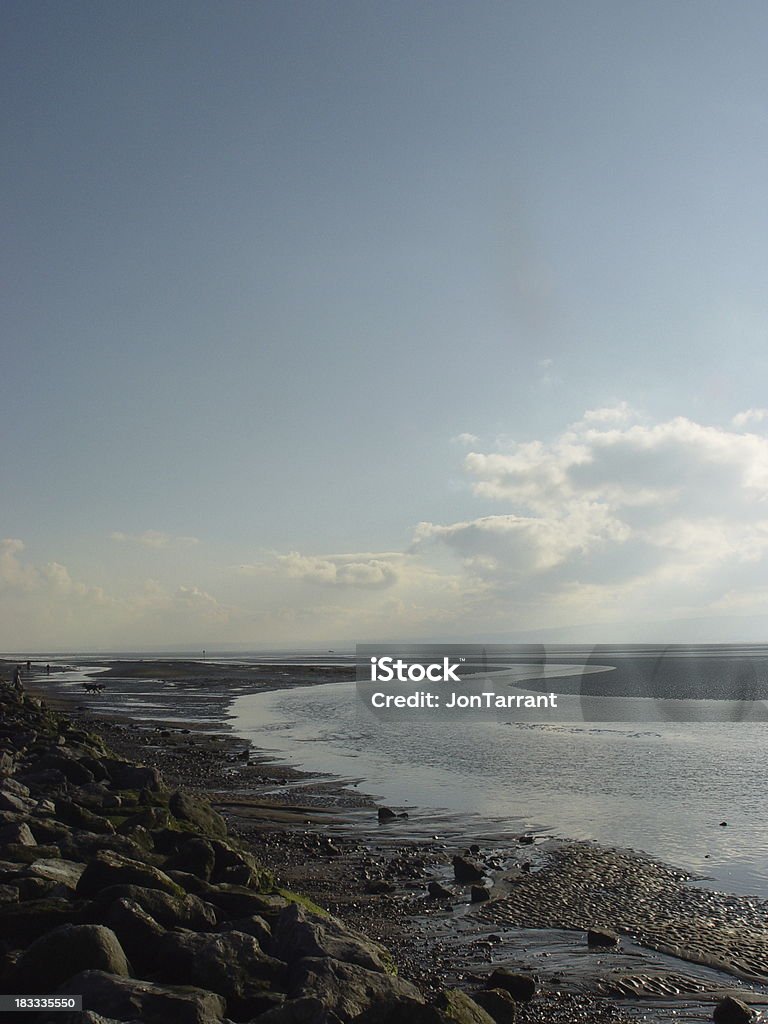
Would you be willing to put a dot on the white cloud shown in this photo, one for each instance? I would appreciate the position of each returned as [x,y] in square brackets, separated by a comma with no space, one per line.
[614,516]
[743,419]
[153,539]
[364,570]
[465,439]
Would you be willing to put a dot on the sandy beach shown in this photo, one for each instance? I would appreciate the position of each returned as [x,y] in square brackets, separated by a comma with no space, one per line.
[679,949]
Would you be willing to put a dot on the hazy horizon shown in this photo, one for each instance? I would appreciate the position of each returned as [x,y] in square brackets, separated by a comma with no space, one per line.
[330,323]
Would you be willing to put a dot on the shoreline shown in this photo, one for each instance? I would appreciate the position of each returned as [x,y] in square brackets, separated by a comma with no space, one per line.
[330,845]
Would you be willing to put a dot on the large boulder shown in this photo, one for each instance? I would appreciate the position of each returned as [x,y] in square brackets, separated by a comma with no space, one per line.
[170,911]
[346,989]
[498,1003]
[108,869]
[138,932]
[235,901]
[230,963]
[522,987]
[16,834]
[732,1011]
[465,870]
[253,925]
[57,955]
[196,856]
[124,775]
[62,872]
[299,933]
[458,1008]
[130,999]
[22,923]
[197,811]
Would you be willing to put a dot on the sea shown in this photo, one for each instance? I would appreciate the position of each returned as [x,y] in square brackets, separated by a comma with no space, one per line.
[679,771]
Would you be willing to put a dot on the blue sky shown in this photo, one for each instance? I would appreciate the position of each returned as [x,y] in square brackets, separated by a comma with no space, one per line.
[284,281]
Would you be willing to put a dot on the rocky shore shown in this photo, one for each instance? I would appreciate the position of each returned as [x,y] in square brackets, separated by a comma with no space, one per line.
[132,894]
[122,882]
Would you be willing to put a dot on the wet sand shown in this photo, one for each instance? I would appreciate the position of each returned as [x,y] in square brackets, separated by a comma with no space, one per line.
[681,948]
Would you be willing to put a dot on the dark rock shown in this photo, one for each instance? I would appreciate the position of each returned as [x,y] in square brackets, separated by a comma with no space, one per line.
[459,1008]
[732,1011]
[230,963]
[9,894]
[401,1010]
[527,839]
[255,926]
[62,872]
[479,894]
[386,814]
[129,999]
[15,788]
[65,951]
[601,937]
[440,892]
[198,811]
[346,989]
[522,987]
[307,1010]
[24,854]
[237,901]
[72,770]
[138,932]
[466,870]
[124,775]
[195,856]
[22,923]
[80,817]
[184,911]
[19,804]
[497,1003]
[109,869]
[298,933]
[17,834]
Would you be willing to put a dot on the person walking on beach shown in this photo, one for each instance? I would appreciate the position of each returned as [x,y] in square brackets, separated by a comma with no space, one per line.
[17,683]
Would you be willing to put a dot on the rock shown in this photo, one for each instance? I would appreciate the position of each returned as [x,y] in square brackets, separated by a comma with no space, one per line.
[199,812]
[308,1010]
[128,999]
[6,764]
[601,937]
[72,770]
[459,1008]
[9,894]
[22,923]
[47,831]
[527,839]
[346,989]
[24,854]
[56,956]
[479,894]
[497,1003]
[400,1010]
[108,869]
[184,911]
[236,901]
[62,872]
[386,814]
[732,1011]
[522,987]
[124,775]
[19,804]
[255,926]
[230,963]
[195,856]
[299,933]
[137,931]
[15,788]
[466,870]
[440,892]
[17,834]
[80,817]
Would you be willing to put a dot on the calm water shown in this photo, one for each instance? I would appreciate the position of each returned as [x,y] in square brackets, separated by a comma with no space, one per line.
[661,787]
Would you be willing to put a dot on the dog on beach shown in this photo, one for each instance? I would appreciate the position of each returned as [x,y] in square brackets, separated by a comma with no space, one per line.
[93,687]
